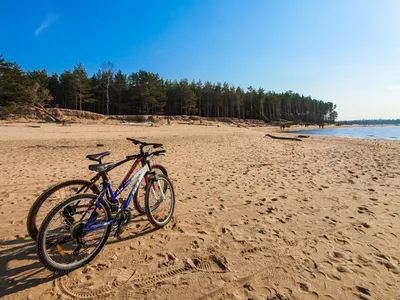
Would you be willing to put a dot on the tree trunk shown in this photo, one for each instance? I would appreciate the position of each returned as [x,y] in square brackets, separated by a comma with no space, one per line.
[80,101]
[200,106]
[108,97]
[42,109]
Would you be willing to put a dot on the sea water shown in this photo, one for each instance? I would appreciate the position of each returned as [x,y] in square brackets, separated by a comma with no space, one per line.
[369,132]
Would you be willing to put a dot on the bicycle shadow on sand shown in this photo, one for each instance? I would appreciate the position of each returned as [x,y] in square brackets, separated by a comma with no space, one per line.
[20,268]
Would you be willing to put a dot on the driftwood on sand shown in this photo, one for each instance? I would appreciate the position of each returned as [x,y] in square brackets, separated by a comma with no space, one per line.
[303,136]
[239,125]
[187,123]
[54,118]
[282,138]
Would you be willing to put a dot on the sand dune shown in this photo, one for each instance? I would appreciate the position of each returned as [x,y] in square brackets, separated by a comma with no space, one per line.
[256,218]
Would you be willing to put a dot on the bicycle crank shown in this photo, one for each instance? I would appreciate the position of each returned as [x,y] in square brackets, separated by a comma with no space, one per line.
[77,233]
[122,219]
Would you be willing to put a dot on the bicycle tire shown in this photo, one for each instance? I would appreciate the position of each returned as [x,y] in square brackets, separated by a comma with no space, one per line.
[136,202]
[149,211]
[31,223]
[40,249]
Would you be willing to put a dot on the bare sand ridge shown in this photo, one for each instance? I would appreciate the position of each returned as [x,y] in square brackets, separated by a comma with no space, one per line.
[255,217]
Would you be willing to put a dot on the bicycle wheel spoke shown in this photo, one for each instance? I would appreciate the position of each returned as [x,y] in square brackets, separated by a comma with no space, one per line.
[68,245]
[160,202]
[50,242]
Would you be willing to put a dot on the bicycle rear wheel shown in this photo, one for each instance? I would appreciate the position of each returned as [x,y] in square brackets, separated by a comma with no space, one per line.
[138,200]
[51,197]
[66,247]
[160,200]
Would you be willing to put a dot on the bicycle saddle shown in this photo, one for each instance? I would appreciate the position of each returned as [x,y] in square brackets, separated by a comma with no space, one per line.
[97,157]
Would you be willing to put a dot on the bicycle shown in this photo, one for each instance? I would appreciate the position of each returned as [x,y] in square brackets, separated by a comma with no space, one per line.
[68,188]
[74,233]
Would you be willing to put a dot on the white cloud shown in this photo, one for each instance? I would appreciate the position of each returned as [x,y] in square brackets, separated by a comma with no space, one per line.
[394,87]
[50,18]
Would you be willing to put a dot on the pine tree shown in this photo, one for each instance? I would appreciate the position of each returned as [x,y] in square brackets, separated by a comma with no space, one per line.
[82,87]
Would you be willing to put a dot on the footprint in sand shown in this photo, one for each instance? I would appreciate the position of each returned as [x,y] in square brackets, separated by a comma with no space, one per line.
[364,209]
[197,243]
[366,225]
[363,290]
[341,240]
[305,287]
[384,260]
[331,222]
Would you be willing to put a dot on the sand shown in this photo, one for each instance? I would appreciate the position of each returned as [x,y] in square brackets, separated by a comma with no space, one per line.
[255,218]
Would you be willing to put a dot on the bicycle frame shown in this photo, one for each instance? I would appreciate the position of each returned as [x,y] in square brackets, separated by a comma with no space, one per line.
[98,176]
[139,175]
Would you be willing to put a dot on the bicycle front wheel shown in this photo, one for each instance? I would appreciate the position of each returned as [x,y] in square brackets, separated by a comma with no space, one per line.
[63,244]
[160,200]
[139,202]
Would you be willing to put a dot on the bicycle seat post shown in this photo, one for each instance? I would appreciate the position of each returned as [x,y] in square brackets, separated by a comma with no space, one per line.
[141,150]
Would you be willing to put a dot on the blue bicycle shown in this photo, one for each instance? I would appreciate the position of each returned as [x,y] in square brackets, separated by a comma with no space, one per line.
[84,222]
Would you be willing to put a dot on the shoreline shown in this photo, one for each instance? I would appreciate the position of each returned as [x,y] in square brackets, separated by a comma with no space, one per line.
[313,127]
[50,130]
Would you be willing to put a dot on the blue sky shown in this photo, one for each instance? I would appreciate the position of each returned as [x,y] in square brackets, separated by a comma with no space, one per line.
[346,52]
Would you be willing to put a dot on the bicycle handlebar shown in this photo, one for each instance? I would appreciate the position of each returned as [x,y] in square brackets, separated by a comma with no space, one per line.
[137,142]
[156,153]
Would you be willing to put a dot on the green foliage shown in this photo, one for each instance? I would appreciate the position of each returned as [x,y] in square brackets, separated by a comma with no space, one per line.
[38,95]
[10,108]
[81,86]
[147,92]
[119,92]
[143,93]
[39,76]
[53,84]
[21,89]
[13,83]
[66,90]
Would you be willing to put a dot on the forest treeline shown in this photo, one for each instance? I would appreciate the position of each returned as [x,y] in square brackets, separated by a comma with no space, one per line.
[112,92]
[372,122]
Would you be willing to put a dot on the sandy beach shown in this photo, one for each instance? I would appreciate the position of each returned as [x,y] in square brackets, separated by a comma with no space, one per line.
[255,218]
